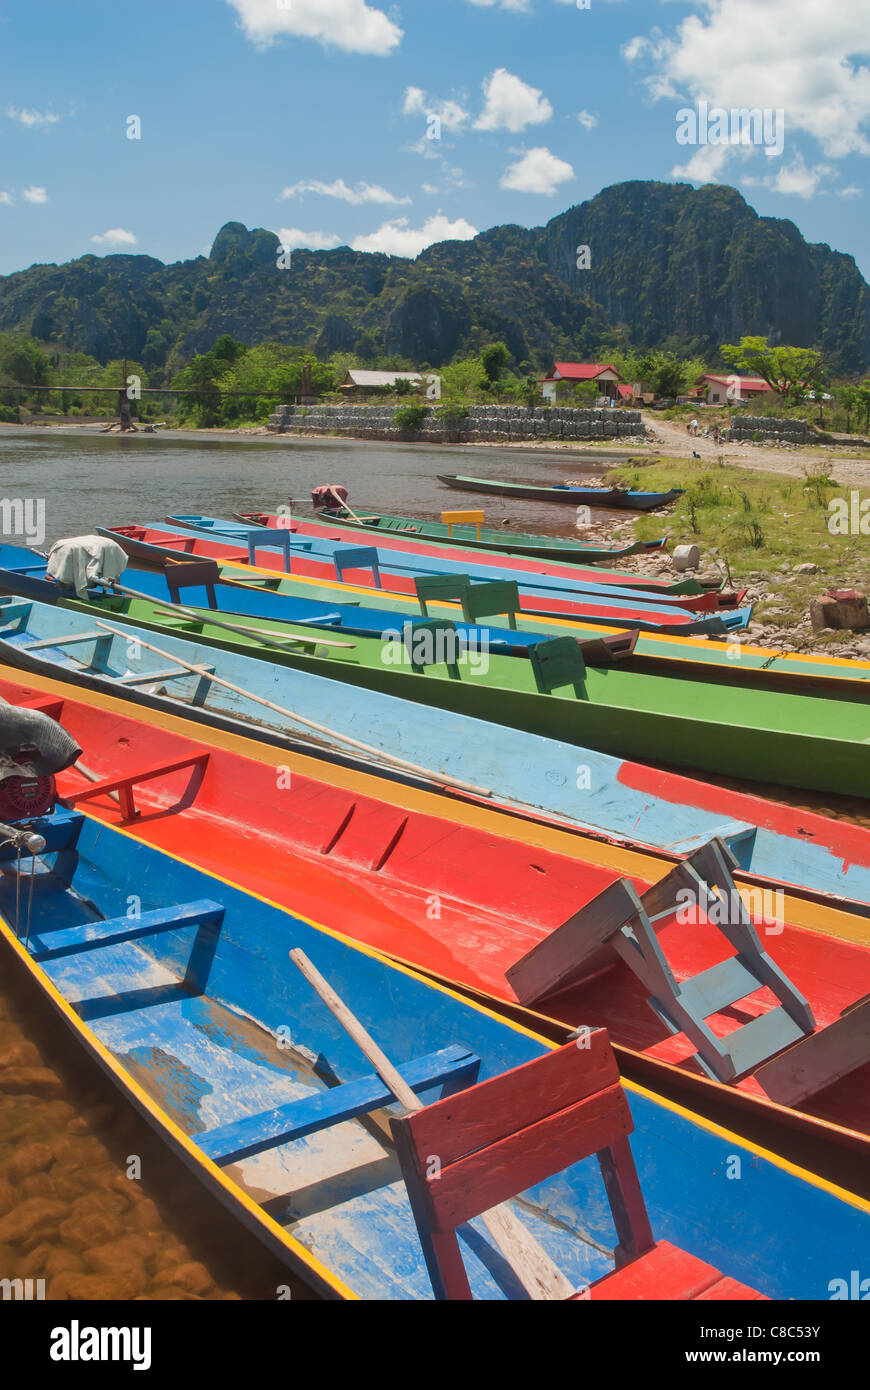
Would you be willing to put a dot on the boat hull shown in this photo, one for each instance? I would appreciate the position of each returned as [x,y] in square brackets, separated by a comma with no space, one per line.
[221,1011]
[612,498]
[537,777]
[643,611]
[787,740]
[503,543]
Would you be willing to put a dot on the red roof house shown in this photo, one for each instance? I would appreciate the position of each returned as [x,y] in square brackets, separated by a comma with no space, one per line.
[727,390]
[603,374]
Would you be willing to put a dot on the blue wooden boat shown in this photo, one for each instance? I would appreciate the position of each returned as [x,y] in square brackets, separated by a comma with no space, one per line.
[199,585]
[180,985]
[327,559]
[534,580]
[619,498]
[621,801]
[24,572]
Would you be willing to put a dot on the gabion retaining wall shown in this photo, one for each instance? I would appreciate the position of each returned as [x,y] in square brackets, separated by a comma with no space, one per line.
[483,422]
[788,431]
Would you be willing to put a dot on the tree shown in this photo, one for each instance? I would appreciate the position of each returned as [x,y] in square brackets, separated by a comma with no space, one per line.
[849,397]
[461,378]
[22,359]
[227,349]
[494,360]
[791,371]
[663,372]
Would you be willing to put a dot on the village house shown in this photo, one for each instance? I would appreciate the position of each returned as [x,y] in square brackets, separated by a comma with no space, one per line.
[564,376]
[359,382]
[728,390]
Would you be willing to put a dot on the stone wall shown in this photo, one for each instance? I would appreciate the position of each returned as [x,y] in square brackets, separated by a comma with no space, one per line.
[785,431]
[484,422]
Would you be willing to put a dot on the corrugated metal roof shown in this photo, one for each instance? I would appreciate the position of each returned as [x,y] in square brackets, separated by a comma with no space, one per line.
[364,378]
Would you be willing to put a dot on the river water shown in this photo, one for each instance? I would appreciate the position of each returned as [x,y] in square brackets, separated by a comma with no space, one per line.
[92,480]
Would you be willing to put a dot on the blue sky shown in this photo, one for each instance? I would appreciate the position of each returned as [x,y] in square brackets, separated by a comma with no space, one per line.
[310,117]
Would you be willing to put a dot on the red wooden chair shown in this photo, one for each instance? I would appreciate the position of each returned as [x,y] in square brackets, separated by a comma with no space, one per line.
[504,1135]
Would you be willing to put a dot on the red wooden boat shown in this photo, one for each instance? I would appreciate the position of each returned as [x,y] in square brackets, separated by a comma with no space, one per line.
[444,886]
[334,530]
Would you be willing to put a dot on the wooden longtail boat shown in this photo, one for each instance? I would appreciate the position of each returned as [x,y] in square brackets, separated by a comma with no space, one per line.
[504,542]
[552,566]
[790,740]
[25,572]
[152,545]
[456,559]
[189,1002]
[652,652]
[262,594]
[611,497]
[534,773]
[193,1008]
[372,869]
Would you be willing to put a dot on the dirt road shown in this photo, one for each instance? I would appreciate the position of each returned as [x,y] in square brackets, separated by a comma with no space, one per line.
[672,437]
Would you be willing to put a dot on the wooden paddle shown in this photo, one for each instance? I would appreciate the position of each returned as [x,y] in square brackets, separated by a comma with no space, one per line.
[206,615]
[290,714]
[531,1264]
[265,633]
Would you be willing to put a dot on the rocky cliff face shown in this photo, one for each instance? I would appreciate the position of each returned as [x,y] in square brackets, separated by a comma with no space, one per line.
[670,265]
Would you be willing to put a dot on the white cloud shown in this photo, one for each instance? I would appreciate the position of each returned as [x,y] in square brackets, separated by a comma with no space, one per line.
[587,120]
[450,113]
[706,165]
[511,104]
[430,189]
[28,117]
[794,55]
[293,237]
[850,192]
[351,25]
[115,236]
[799,180]
[363,193]
[537,171]
[398,238]
[34,194]
[795,180]
[6,199]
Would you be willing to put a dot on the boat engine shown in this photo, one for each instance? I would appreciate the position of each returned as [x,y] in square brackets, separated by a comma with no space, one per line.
[329,497]
[33,747]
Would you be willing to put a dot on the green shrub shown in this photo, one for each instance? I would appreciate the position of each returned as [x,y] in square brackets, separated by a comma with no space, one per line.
[452,416]
[409,417]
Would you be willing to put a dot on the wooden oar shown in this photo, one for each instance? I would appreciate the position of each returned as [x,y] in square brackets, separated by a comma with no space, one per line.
[178,610]
[539,1276]
[290,714]
[347,507]
[204,616]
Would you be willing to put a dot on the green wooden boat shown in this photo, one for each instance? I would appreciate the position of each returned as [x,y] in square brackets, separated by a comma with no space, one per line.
[711,726]
[654,653]
[504,540]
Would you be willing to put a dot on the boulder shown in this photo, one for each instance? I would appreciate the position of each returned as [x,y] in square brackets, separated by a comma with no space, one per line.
[842,608]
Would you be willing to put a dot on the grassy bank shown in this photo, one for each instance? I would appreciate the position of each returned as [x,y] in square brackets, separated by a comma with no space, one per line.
[760,526]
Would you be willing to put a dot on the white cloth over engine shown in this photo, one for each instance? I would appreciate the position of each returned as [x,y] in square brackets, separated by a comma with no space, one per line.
[82,559]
